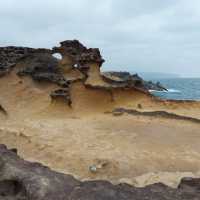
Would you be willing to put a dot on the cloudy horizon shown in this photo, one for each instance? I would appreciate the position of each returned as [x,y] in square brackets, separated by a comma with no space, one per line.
[138,35]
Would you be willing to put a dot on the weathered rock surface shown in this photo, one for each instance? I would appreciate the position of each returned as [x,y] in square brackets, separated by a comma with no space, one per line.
[23,180]
[79,54]
[125,79]
[43,67]
[72,48]
[159,114]
[62,94]
[155,86]
[78,63]
[9,56]
[20,179]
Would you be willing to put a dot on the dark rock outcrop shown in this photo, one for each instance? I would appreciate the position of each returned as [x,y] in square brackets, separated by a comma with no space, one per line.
[20,179]
[127,80]
[23,180]
[72,48]
[78,53]
[43,67]
[155,86]
[9,56]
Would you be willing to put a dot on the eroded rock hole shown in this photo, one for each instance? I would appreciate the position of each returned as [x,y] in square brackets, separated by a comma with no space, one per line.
[57,55]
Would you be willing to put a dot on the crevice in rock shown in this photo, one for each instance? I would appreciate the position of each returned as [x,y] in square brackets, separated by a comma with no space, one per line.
[3,110]
[159,114]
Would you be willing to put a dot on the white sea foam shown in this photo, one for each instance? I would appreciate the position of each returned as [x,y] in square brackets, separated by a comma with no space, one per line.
[166,91]
[174,91]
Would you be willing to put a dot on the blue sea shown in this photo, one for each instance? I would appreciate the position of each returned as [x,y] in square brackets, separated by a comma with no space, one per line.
[180,88]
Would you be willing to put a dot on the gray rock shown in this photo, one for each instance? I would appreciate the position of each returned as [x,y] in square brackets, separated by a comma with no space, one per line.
[23,180]
[125,79]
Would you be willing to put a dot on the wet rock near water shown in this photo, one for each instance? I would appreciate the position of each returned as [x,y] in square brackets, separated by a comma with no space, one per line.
[131,80]
[155,86]
[23,180]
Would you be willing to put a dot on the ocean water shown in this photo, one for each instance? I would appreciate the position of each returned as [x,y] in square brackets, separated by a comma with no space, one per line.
[180,88]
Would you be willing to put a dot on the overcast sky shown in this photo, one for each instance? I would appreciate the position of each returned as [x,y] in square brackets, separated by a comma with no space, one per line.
[133,35]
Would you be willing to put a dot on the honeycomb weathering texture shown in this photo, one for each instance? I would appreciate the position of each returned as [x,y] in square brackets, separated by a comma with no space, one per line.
[42,66]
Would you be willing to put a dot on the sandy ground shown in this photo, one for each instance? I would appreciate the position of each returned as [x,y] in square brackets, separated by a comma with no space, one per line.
[90,143]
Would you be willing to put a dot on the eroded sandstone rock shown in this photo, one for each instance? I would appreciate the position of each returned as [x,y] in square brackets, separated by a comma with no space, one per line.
[10,55]
[43,67]
[125,79]
[78,54]
[78,63]
[23,180]
[62,95]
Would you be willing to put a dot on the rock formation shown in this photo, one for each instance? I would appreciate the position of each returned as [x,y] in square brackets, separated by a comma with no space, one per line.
[74,53]
[23,180]
[158,114]
[78,63]
[79,69]
[9,56]
[126,79]
[61,94]
[42,67]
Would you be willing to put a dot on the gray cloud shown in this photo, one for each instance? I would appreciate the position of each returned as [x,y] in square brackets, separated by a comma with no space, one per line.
[137,35]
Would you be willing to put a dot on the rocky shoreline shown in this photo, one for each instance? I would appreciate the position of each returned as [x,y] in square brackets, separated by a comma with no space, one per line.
[138,81]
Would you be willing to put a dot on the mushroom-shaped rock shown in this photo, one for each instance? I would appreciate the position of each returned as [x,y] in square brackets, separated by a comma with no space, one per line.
[70,51]
[90,62]
[91,55]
